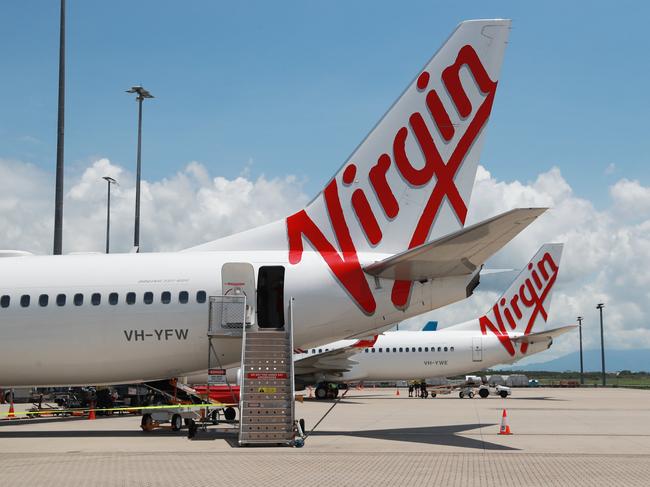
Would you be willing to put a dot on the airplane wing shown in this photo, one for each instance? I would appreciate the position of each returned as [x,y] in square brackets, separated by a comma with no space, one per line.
[331,362]
[546,334]
[459,253]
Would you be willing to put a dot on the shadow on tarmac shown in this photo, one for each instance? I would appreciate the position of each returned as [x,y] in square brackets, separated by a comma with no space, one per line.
[429,435]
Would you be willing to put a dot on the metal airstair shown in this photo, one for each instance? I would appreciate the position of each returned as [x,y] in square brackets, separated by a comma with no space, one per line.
[267,405]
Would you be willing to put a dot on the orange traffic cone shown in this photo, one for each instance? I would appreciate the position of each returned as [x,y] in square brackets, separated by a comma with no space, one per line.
[505,427]
[91,413]
[397,392]
[12,413]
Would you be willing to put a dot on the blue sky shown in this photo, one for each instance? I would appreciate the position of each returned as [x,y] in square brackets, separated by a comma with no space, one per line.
[292,87]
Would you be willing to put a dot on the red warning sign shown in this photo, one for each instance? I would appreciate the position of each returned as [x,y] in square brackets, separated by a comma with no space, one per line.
[266,375]
[216,371]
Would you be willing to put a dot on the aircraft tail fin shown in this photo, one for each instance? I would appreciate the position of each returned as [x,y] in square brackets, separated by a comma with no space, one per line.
[525,306]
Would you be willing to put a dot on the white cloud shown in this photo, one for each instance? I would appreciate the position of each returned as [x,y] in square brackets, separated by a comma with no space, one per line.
[606,255]
[186,209]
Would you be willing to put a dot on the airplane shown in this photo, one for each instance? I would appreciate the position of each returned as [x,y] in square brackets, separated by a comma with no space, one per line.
[383,241]
[512,329]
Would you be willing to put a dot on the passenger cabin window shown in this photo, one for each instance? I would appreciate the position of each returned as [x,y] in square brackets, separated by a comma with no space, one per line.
[130,298]
[183,297]
[60,299]
[426,349]
[439,349]
[78,299]
[387,349]
[24,300]
[270,297]
[394,350]
[451,349]
[113,299]
[4,301]
[419,349]
[400,349]
[445,349]
[165,297]
[43,299]
[148,297]
[96,299]
[373,350]
[201,296]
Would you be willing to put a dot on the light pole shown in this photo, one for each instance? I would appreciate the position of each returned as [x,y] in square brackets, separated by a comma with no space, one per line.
[58,189]
[582,372]
[142,94]
[602,339]
[110,181]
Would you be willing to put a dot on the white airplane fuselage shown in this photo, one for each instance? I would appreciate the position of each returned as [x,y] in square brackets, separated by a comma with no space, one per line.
[105,343]
[403,355]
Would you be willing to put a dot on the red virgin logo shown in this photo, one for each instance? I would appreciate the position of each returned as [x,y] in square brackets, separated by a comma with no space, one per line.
[344,262]
[530,296]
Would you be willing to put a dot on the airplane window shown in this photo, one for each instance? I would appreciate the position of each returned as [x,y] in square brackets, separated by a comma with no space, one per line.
[327,349]
[313,350]
[320,350]
[24,300]
[200,296]
[60,300]
[366,350]
[373,350]
[165,297]
[451,349]
[395,350]
[130,298]
[413,349]
[419,349]
[96,299]
[380,350]
[400,349]
[426,349]
[43,300]
[4,301]
[148,297]
[78,299]
[445,349]
[183,297]
[112,298]
[439,349]
[387,349]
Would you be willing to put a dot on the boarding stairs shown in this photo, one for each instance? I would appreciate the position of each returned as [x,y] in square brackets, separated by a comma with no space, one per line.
[267,404]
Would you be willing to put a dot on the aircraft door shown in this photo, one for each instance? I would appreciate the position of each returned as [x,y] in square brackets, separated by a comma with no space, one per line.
[270,297]
[239,278]
[477,349]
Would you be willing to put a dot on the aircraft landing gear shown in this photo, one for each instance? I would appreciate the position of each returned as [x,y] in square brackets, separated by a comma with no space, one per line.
[326,390]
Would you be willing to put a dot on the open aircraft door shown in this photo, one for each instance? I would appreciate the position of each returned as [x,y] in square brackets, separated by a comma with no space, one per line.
[239,278]
[477,349]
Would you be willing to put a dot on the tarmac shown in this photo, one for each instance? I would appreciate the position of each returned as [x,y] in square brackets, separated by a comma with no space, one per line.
[574,437]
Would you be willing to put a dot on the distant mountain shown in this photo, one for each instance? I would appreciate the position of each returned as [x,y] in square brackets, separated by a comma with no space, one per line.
[615,360]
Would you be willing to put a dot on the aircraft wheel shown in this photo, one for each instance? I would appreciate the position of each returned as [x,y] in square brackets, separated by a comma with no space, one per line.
[229,413]
[470,395]
[461,394]
[146,423]
[483,393]
[503,394]
[321,393]
[177,422]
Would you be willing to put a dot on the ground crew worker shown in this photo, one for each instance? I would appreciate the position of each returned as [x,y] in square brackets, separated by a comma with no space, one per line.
[410,389]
